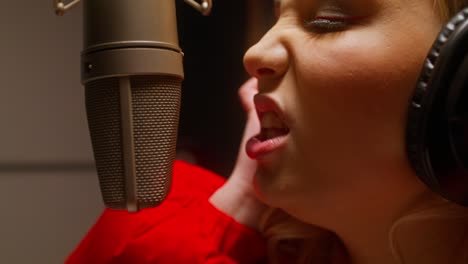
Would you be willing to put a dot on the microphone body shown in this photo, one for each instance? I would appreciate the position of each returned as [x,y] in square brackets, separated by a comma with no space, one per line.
[132,71]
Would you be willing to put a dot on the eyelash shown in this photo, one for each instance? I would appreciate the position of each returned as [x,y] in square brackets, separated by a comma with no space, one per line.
[322,24]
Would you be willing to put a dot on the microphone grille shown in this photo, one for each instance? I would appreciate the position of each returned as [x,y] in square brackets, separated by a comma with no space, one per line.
[155,105]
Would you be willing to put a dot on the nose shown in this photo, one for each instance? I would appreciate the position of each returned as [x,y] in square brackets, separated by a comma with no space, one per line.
[267,58]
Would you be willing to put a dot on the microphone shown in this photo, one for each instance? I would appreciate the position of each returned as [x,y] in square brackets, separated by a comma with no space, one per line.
[131,67]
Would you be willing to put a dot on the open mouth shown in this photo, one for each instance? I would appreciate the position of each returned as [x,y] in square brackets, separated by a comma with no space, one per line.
[272,136]
[272,126]
[274,131]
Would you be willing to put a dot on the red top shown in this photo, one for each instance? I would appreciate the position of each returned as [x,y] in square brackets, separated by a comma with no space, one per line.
[185,228]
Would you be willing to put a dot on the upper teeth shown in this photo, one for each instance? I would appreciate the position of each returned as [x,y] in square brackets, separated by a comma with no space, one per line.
[271,120]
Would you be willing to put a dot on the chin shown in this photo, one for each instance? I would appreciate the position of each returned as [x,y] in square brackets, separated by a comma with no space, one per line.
[264,187]
[273,187]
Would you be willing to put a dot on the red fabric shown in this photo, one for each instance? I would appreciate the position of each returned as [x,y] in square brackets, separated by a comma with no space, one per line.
[185,228]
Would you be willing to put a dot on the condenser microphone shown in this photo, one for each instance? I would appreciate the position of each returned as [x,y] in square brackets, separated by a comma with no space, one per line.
[132,72]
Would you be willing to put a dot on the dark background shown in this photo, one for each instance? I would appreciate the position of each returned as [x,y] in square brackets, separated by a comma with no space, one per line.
[211,116]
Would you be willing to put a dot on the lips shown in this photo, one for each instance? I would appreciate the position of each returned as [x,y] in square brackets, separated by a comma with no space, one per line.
[264,104]
[274,132]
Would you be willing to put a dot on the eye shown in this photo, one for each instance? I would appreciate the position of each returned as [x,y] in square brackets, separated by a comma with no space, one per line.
[322,24]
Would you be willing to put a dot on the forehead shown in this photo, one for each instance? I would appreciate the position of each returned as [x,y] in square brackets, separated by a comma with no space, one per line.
[362,4]
[350,1]
[307,4]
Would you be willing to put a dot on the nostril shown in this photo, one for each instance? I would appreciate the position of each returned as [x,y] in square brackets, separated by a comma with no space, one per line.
[265,71]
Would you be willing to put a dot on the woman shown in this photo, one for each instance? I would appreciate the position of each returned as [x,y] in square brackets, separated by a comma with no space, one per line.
[334,80]
[341,74]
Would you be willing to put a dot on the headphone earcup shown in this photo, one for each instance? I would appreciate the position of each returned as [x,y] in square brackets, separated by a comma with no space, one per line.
[429,130]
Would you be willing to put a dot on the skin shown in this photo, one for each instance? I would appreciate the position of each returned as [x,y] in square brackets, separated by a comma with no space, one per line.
[344,167]
[345,92]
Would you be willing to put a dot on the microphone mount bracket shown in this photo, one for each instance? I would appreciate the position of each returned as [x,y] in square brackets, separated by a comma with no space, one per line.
[204,7]
[61,8]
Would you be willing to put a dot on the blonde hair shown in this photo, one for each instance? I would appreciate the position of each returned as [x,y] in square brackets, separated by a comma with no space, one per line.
[292,241]
[448,8]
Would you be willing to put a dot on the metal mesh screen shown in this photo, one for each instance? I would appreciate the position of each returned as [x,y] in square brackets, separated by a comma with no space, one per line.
[156,104]
[103,111]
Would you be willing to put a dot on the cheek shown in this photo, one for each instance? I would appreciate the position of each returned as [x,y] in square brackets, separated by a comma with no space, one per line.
[353,94]
[365,66]
[365,80]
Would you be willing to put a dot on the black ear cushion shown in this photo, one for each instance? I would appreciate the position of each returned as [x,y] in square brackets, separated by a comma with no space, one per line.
[427,129]
[427,132]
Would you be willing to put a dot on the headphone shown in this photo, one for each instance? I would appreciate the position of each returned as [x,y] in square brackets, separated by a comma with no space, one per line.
[437,128]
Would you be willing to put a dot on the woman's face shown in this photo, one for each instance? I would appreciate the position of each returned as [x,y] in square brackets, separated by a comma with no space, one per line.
[341,72]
